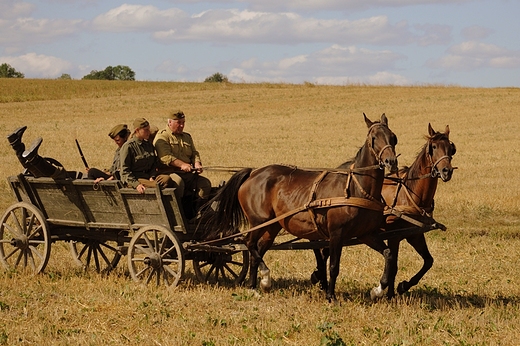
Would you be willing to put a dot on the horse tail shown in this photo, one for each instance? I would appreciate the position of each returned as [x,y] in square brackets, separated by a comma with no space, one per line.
[228,216]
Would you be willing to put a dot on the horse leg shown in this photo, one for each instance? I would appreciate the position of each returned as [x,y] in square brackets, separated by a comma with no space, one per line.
[258,263]
[257,252]
[419,244]
[393,245]
[335,247]
[254,261]
[320,274]
[264,244]
[390,271]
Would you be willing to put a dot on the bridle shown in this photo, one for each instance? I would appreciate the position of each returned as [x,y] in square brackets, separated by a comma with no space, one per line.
[376,155]
[435,173]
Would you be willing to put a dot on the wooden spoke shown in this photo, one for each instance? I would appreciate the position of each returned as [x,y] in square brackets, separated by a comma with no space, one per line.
[24,239]
[222,268]
[155,255]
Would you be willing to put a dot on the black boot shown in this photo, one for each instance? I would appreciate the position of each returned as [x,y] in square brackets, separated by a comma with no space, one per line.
[16,136]
[40,167]
[15,139]
[32,152]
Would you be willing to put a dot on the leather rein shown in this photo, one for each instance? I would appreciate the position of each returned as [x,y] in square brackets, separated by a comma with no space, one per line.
[415,209]
[365,202]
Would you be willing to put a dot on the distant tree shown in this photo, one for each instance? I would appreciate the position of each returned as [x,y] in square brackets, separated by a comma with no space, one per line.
[64,76]
[94,75]
[7,71]
[216,78]
[123,73]
[112,73]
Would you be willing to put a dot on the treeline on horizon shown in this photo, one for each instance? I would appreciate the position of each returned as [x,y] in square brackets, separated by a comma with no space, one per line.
[119,72]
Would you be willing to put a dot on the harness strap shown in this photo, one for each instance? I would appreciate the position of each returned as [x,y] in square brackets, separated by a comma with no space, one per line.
[312,197]
[419,209]
[325,203]
[405,217]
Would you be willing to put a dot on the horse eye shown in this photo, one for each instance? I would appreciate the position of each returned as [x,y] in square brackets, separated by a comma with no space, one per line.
[434,147]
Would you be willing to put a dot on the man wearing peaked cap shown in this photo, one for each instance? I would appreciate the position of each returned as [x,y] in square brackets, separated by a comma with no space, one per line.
[179,158]
[177,114]
[139,161]
[119,134]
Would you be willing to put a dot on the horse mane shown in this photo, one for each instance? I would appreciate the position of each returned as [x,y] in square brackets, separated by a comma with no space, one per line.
[348,163]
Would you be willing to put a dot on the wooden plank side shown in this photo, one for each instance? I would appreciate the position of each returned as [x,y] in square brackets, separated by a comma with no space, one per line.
[144,208]
[103,203]
[58,199]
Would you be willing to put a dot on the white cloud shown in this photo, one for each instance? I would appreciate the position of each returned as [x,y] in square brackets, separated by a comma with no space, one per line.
[472,54]
[339,5]
[13,8]
[39,66]
[333,65]
[245,26]
[433,34]
[25,31]
[139,17]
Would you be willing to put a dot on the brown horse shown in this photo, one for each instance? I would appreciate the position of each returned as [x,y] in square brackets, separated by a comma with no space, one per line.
[410,191]
[310,204]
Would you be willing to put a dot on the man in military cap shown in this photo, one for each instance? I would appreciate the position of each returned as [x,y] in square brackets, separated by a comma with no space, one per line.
[139,161]
[179,158]
[119,134]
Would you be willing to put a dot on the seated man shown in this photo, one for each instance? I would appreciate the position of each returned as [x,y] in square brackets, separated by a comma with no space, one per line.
[119,134]
[34,163]
[179,158]
[139,161]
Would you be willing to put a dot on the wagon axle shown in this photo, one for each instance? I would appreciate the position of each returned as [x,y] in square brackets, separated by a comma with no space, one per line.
[154,261]
[21,243]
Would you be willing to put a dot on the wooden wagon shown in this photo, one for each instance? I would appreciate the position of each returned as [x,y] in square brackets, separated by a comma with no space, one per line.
[104,222]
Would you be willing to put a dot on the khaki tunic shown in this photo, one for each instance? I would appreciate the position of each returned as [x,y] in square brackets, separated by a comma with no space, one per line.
[138,161]
[116,163]
[171,146]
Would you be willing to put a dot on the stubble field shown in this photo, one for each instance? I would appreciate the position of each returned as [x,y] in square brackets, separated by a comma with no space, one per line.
[469,297]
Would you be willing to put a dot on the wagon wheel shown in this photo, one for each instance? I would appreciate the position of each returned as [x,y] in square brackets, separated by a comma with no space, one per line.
[99,255]
[222,268]
[155,255]
[24,238]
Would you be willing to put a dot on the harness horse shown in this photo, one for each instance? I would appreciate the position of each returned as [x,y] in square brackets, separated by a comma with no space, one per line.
[315,205]
[409,194]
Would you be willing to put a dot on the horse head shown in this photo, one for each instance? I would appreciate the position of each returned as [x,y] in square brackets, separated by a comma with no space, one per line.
[382,142]
[440,151]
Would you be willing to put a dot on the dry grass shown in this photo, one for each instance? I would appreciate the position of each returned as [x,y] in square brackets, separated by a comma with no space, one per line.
[470,296]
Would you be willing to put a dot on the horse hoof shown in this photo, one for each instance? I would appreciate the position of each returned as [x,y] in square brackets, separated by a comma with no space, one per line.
[402,287]
[314,278]
[376,293]
[332,300]
[265,282]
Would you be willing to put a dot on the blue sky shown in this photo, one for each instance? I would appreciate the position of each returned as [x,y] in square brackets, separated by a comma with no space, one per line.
[471,43]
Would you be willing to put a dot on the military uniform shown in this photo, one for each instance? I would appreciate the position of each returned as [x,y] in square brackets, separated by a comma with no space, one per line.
[138,161]
[122,131]
[172,146]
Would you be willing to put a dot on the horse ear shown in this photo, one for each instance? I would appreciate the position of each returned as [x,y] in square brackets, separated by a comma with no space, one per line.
[447,131]
[367,121]
[384,120]
[431,131]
